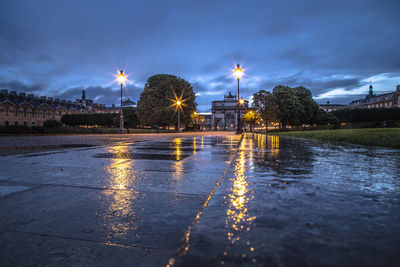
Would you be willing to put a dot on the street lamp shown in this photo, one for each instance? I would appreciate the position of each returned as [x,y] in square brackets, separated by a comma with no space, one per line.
[178,104]
[238,73]
[121,79]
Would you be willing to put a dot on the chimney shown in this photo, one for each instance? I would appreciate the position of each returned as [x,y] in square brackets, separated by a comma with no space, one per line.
[57,100]
[4,92]
[50,99]
[43,98]
[13,93]
[63,101]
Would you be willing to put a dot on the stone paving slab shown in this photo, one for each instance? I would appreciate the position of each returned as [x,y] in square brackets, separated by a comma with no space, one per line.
[25,249]
[300,210]
[117,216]
[76,209]
[6,190]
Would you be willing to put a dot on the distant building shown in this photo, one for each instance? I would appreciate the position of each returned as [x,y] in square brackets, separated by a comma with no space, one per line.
[371,100]
[128,103]
[328,107]
[87,103]
[224,113]
[29,110]
[205,121]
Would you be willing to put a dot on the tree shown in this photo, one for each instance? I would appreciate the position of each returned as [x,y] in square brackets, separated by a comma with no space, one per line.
[131,119]
[291,110]
[324,118]
[195,121]
[266,105]
[310,107]
[155,106]
[251,117]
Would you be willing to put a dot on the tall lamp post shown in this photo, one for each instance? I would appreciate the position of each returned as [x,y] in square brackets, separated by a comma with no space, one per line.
[178,104]
[121,79]
[238,72]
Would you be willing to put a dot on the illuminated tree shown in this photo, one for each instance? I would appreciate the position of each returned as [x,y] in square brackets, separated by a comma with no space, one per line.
[266,105]
[156,104]
[251,117]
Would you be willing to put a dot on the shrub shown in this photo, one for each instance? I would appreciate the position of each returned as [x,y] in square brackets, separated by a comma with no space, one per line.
[52,124]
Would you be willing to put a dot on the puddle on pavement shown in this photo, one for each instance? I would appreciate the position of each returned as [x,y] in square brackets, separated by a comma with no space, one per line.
[166,148]
[127,155]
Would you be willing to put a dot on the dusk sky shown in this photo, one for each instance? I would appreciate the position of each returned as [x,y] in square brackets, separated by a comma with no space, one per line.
[334,48]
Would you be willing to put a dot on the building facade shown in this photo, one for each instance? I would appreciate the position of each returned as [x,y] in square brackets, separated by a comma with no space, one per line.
[224,113]
[328,107]
[29,110]
[371,100]
[205,121]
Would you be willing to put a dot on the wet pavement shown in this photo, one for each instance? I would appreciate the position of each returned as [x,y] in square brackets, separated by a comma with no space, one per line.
[210,199]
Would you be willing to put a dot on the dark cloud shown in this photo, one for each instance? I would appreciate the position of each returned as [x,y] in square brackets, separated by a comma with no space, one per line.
[59,47]
[103,95]
[22,87]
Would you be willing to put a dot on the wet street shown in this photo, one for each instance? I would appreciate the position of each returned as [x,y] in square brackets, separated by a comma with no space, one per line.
[205,199]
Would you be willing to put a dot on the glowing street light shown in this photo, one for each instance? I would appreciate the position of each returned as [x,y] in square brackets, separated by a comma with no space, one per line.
[121,79]
[178,104]
[238,73]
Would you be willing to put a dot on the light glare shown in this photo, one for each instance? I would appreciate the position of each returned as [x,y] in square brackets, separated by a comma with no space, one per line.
[121,77]
[238,72]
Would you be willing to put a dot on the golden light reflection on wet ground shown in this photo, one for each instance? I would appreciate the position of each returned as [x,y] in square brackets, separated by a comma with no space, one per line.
[119,216]
[273,144]
[177,165]
[238,219]
[194,146]
[177,145]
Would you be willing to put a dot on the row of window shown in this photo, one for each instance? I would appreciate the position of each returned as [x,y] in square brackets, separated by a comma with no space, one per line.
[6,123]
[28,113]
[386,104]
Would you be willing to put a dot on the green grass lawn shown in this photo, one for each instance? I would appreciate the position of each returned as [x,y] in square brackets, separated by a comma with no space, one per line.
[384,137]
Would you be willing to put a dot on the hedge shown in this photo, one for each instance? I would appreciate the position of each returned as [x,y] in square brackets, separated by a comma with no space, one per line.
[365,114]
[91,119]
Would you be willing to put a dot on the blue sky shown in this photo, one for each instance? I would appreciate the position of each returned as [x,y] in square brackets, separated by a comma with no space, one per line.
[334,48]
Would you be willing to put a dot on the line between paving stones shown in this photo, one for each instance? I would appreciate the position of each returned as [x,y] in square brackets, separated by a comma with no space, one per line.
[86,240]
[184,245]
[37,186]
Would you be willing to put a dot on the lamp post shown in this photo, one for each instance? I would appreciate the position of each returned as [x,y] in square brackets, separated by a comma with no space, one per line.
[179,103]
[121,79]
[238,72]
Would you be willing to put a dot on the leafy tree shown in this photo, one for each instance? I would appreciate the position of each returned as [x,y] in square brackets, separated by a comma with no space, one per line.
[324,118]
[251,117]
[266,106]
[195,121]
[155,106]
[291,110]
[131,119]
[310,107]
